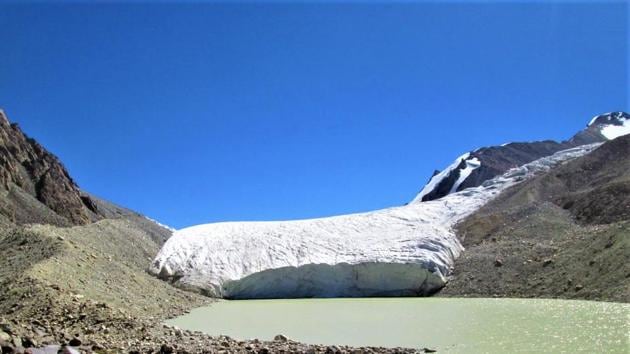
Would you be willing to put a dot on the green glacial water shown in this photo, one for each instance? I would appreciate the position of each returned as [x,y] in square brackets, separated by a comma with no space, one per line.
[448,325]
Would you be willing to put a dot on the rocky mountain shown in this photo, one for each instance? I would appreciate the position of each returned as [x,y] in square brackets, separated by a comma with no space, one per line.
[563,234]
[73,266]
[35,188]
[475,167]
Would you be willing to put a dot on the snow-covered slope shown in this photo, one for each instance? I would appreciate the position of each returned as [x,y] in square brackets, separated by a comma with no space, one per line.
[612,125]
[475,167]
[408,250]
[460,169]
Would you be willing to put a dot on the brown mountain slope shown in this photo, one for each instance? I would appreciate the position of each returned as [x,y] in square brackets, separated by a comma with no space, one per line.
[564,234]
[28,172]
[35,188]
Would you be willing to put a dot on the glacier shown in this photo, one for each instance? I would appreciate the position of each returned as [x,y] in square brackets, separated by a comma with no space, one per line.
[400,251]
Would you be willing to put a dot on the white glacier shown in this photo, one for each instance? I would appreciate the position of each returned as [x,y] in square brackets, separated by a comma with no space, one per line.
[407,250]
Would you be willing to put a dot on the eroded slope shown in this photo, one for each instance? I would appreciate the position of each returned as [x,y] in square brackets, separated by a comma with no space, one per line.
[564,234]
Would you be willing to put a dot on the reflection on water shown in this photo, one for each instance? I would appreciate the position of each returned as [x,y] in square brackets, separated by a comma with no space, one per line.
[450,325]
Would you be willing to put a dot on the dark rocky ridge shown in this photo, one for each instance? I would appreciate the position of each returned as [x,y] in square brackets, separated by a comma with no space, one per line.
[29,170]
[35,188]
[496,160]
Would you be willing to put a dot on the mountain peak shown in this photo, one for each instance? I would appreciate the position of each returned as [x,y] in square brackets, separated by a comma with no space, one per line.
[610,118]
[30,175]
[611,125]
[476,167]
[3,118]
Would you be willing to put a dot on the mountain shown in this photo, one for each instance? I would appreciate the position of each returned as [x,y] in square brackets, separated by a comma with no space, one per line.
[564,234]
[37,189]
[408,250]
[475,167]
[73,266]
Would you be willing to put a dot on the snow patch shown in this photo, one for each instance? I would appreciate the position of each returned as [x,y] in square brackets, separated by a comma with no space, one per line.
[471,165]
[611,131]
[435,180]
[408,250]
[597,116]
[160,224]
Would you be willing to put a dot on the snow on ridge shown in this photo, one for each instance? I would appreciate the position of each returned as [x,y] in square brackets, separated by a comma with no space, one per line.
[617,124]
[597,116]
[160,224]
[611,131]
[407,250]
[471,165]
[435,180]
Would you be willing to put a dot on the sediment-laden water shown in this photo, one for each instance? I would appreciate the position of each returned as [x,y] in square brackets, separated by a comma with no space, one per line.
[448,325]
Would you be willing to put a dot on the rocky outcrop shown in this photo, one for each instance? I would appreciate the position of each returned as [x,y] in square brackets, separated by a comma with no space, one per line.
[563,234]
[25,165]
[496,160]
[35,188]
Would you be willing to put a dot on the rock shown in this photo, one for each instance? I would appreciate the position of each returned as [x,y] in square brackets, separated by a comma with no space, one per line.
[280,338]
[166,349]
[17,341]
[69,350]
[333,349]
[429,350]
[7,348]
[29,342]
[579,287]
[4,337]
[498,262]
[7,328]
[74,342]
[49,349]
[547,262]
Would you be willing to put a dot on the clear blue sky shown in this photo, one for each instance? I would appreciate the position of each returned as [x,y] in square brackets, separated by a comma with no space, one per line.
[198,113]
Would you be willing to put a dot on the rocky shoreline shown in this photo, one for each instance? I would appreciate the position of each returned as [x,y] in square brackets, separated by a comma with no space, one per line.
[94,327]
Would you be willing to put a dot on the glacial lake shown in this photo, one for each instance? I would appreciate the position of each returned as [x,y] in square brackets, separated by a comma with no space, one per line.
[445,324]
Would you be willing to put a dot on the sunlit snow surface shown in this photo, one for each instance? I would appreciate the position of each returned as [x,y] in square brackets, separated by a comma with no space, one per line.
[612,124]
[407,250]
[615,131]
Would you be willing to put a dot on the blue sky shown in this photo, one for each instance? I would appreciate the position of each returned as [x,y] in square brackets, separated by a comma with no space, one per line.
[210,112]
